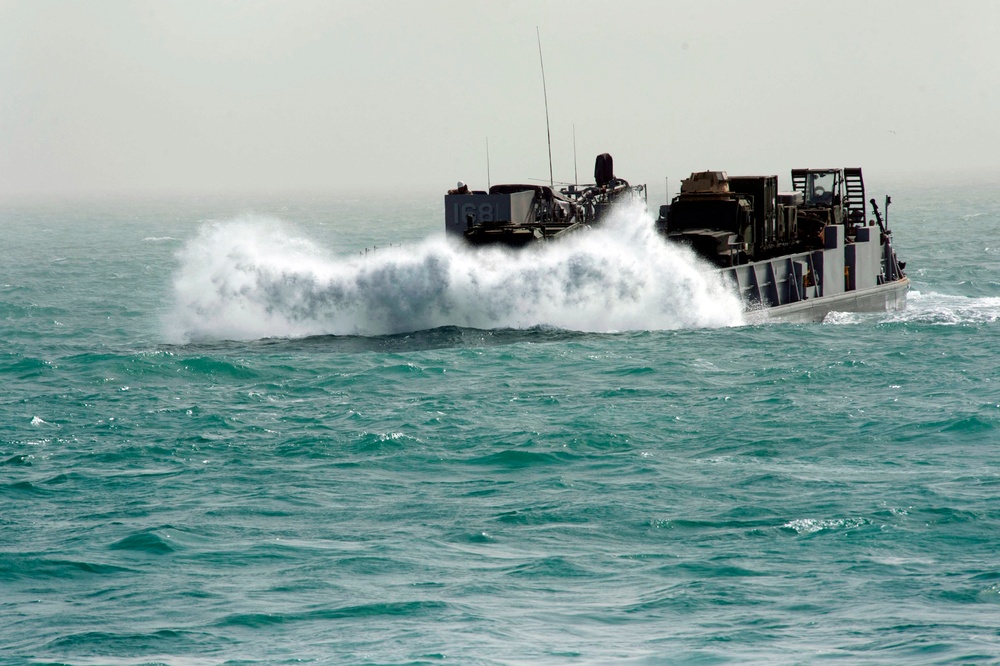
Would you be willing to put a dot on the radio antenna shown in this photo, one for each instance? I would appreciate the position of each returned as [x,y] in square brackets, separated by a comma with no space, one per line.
[576,178]
[545,93]
[488,184]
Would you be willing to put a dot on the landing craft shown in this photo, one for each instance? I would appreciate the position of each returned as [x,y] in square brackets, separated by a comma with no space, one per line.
[791,256]
[795,256]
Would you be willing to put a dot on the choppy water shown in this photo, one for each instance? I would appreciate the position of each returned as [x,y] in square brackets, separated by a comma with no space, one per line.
[229,435]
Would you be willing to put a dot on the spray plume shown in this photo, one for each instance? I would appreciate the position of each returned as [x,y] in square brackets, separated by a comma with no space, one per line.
[253,278]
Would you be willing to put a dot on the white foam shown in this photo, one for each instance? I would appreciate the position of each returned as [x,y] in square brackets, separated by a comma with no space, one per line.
[254,277]
[947,309]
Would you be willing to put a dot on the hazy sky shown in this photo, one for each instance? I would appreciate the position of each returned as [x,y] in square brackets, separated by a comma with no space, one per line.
[200,96]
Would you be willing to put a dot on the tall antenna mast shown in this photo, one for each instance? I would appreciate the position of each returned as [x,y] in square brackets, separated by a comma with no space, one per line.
[548,131]
[576,178]
[488,184]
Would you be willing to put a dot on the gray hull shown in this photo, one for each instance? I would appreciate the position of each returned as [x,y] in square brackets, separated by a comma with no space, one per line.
[883,297]
[857,276]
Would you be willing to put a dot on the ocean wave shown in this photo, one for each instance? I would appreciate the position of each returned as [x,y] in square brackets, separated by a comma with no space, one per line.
[33,567]
[813,525]
[402,609]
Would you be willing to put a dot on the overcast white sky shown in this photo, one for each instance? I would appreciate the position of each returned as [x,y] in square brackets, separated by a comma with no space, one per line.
[200,96]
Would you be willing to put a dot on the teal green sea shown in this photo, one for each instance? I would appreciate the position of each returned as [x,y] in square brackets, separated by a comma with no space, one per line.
[312,431]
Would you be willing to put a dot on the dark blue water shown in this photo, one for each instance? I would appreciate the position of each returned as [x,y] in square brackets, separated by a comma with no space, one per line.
[232,436]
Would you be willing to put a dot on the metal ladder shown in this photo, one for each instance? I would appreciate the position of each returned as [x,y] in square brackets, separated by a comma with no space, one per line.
[799,180]
[854,197]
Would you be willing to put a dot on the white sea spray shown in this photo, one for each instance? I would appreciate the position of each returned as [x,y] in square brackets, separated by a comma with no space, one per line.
[255,277]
